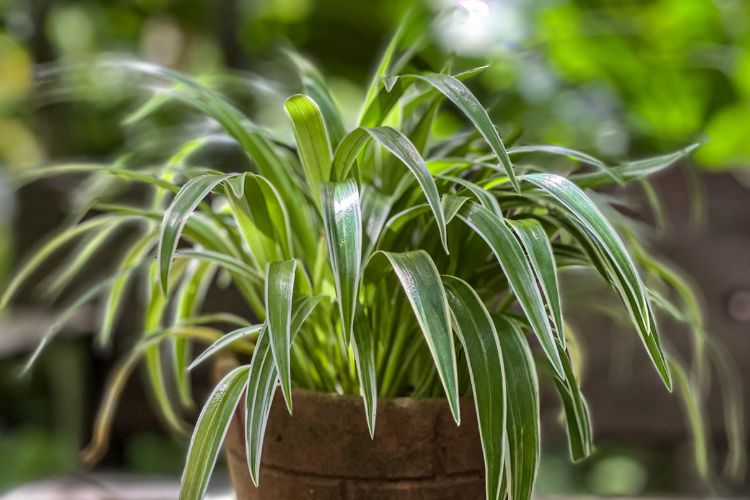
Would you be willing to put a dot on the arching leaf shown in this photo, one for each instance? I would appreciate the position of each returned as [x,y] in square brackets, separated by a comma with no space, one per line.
[279,295]
[476,331]
[523,409]
[261,387]
[313,146]
[209,433]
[400,146]
[539,250]
[177,215]
[613,258]
[517,270]
[424,289]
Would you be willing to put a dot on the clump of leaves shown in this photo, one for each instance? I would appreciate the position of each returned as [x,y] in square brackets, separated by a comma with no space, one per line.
[375,260]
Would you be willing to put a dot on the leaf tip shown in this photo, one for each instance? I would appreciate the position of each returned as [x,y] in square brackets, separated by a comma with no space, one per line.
[371,426]
[455,409]
[286,391]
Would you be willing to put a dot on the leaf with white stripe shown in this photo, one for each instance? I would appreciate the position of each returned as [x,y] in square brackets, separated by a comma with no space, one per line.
[209,433]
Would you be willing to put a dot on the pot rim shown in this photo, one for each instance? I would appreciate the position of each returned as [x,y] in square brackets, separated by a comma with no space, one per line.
[325,396]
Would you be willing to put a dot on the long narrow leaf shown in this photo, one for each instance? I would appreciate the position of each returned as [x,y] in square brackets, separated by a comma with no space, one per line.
[400,146]
[224,341]
[424,289]
[279,295]
[452,88]
[342,218]
[261,387]
[694,416]
[46,250]
[517,270]
[523,409]
[542,259]
[570,153]
[364,346]
[624,274]
[177,215]
[262,217]
[189,299]
[113,303]
[209,433]
[633,170]
[79,258]
[376,82]
[315,86]
[313,146]
[476,331]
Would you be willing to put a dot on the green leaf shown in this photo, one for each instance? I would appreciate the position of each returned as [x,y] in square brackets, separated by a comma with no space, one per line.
[279,295]
[424,289]
[483,196]
[539,251]
[695,417]
[523,409]
[189,299]
[117,380]
[517,270]
[66,314]
[577,420]
[570,153]
[224,261]
[477,334]
[375,209]
[32,174]
[315,86]
[343,225]
[50,247]
[224,341]
[209,433]
[113,303]
[374,90]
[633,170]
[262,217]
[618,262]
[313,146]
[156,306]
[400,146]
[177,215]
[262,386]
[78,259]
[461,96]
[363,347]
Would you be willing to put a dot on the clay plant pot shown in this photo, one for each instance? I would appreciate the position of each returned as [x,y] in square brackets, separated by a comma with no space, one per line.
[324,451]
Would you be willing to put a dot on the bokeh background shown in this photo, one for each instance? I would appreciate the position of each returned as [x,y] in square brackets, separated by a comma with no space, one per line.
[623,79]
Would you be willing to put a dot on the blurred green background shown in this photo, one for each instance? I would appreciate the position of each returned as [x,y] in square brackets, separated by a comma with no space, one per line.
[619,79]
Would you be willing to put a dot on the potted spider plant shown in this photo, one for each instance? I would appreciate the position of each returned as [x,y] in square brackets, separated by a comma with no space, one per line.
[394,286]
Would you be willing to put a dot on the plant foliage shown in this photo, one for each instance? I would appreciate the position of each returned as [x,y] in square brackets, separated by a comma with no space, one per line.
[374,261]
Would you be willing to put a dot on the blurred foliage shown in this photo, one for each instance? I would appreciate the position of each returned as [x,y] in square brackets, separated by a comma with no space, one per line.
[671,68]
[32,452]
[41,417]
[152,453]
[620,79]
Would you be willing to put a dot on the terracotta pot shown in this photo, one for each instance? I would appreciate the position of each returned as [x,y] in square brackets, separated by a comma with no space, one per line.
[324,451]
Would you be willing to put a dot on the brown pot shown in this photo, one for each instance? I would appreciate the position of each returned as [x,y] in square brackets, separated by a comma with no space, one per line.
[324,451]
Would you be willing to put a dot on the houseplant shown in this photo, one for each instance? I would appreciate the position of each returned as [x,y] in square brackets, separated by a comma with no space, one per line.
[359,254]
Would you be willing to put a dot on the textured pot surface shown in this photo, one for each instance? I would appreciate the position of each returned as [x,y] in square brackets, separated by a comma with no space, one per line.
[324,451]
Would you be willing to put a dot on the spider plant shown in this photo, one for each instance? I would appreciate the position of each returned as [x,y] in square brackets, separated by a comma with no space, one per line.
[373,260]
